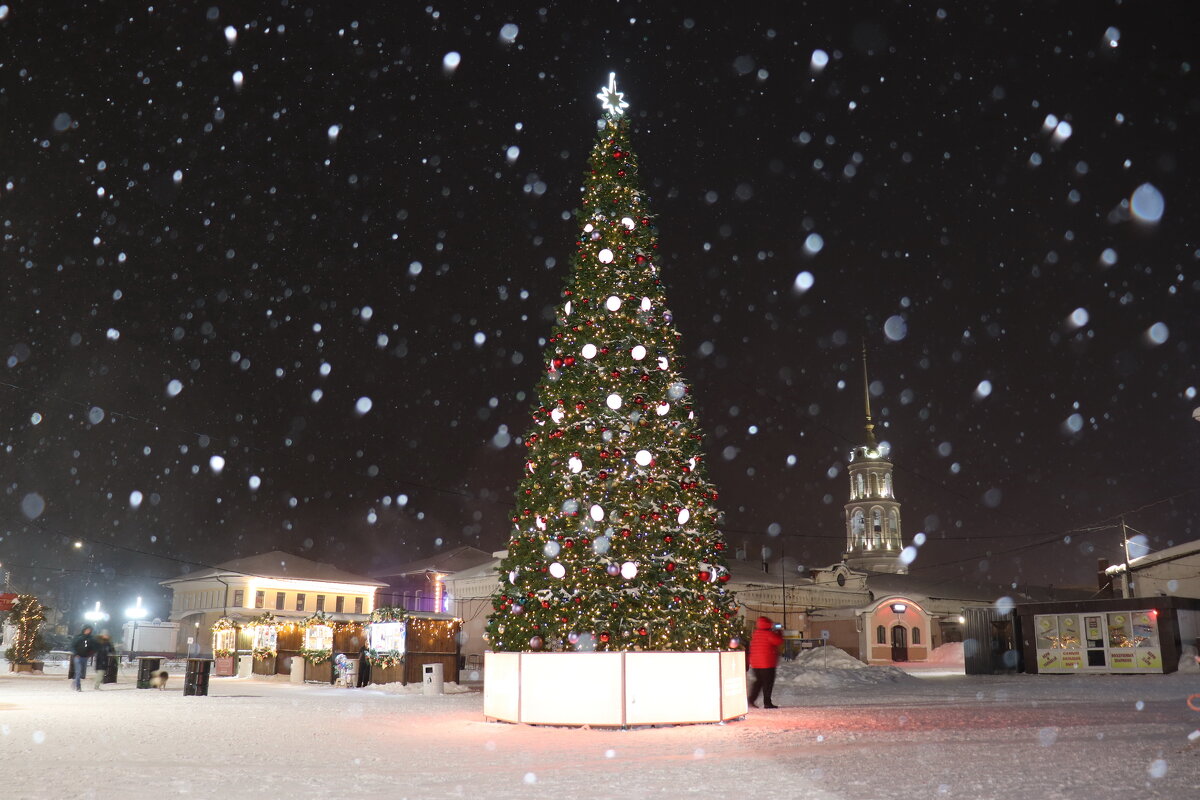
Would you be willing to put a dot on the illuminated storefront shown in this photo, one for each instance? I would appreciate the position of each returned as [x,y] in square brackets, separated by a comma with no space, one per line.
[1127,635]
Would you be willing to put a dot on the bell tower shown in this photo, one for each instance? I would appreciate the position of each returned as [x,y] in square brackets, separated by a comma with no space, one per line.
[873,540]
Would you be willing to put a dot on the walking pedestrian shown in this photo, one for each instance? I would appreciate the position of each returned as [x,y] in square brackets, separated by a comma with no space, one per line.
[764,656]
[82,648]
[105,658]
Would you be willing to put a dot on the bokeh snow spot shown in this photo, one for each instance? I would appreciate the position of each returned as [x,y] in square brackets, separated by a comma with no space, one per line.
[895,329]
[32,505]
[1147,203]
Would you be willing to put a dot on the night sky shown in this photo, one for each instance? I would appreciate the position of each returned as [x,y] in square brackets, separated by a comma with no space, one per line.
[320,247]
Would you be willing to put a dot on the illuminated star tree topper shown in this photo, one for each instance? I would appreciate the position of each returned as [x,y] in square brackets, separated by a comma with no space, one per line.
[612,101]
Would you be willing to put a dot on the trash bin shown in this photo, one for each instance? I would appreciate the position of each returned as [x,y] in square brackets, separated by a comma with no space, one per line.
[195,679]
[245,666]
[147,666]
[296,669]
[433,675]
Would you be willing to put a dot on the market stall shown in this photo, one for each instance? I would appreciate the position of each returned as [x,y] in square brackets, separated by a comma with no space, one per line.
[224,647]
[1119,635]
[403,642]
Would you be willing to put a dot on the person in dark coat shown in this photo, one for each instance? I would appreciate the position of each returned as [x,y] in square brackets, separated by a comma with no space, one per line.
[764,656]
[364,667]
[82,648]
[105,658]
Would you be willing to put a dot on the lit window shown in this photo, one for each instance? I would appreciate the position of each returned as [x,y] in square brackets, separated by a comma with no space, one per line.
[299,602]
[280,597]
[358,605]
[239,597]
[916,635]
[880,635]
[339,605]
[260,599]
[320,602]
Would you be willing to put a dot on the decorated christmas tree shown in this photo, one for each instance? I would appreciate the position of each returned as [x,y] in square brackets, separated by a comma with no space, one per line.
[615,544]
[26,616]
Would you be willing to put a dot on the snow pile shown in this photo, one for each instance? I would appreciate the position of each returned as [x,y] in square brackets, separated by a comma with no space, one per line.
[830,668]
[947,655]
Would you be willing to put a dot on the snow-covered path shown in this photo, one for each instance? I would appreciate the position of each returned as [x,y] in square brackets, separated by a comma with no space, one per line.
[870,735]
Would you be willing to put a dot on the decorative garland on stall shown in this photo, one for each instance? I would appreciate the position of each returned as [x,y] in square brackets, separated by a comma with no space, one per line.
[223,624]
[317,655]
[265,620]
[385,658]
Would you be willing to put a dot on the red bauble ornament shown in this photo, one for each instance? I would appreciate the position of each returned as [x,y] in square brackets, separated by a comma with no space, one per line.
[704,574]
[642,631]
[670,567]
[604,636]
[668,538]
[569,361]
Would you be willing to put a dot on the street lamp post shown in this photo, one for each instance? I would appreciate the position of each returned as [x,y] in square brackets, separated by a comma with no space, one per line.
[135,613]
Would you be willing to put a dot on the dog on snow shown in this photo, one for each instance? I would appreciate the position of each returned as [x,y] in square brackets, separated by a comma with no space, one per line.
[158,679]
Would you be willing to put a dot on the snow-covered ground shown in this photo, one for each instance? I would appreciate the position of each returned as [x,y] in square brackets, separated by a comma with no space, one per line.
[846,731]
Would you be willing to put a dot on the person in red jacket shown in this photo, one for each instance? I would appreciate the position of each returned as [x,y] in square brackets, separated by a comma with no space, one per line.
[764,655]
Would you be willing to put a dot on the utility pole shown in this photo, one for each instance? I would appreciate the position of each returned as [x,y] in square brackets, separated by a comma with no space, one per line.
[783,580]
[1125,548]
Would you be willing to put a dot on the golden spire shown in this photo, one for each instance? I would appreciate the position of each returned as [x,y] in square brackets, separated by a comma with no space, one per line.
[867,397]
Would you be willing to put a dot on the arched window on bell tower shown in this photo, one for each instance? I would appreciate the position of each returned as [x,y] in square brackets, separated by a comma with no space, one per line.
[858,529]
[887,485]
[862,492]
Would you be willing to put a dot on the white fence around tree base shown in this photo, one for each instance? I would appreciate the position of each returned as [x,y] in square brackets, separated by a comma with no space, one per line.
[617,689]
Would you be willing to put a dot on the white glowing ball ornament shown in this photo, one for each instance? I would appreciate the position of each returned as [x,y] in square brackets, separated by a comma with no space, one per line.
[684,516]
[613,303]
[627,222]
[638,353]
[613,401]
[597,513]
[643,457]
[589,351]
[558,570]
[629,570]
[574,464]
[605,256]
[557,415]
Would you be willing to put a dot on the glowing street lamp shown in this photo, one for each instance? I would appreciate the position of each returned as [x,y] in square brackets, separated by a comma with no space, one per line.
[95,615]
[136,612]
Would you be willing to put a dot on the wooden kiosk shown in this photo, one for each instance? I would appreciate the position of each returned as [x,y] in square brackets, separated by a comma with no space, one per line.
[403,642]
